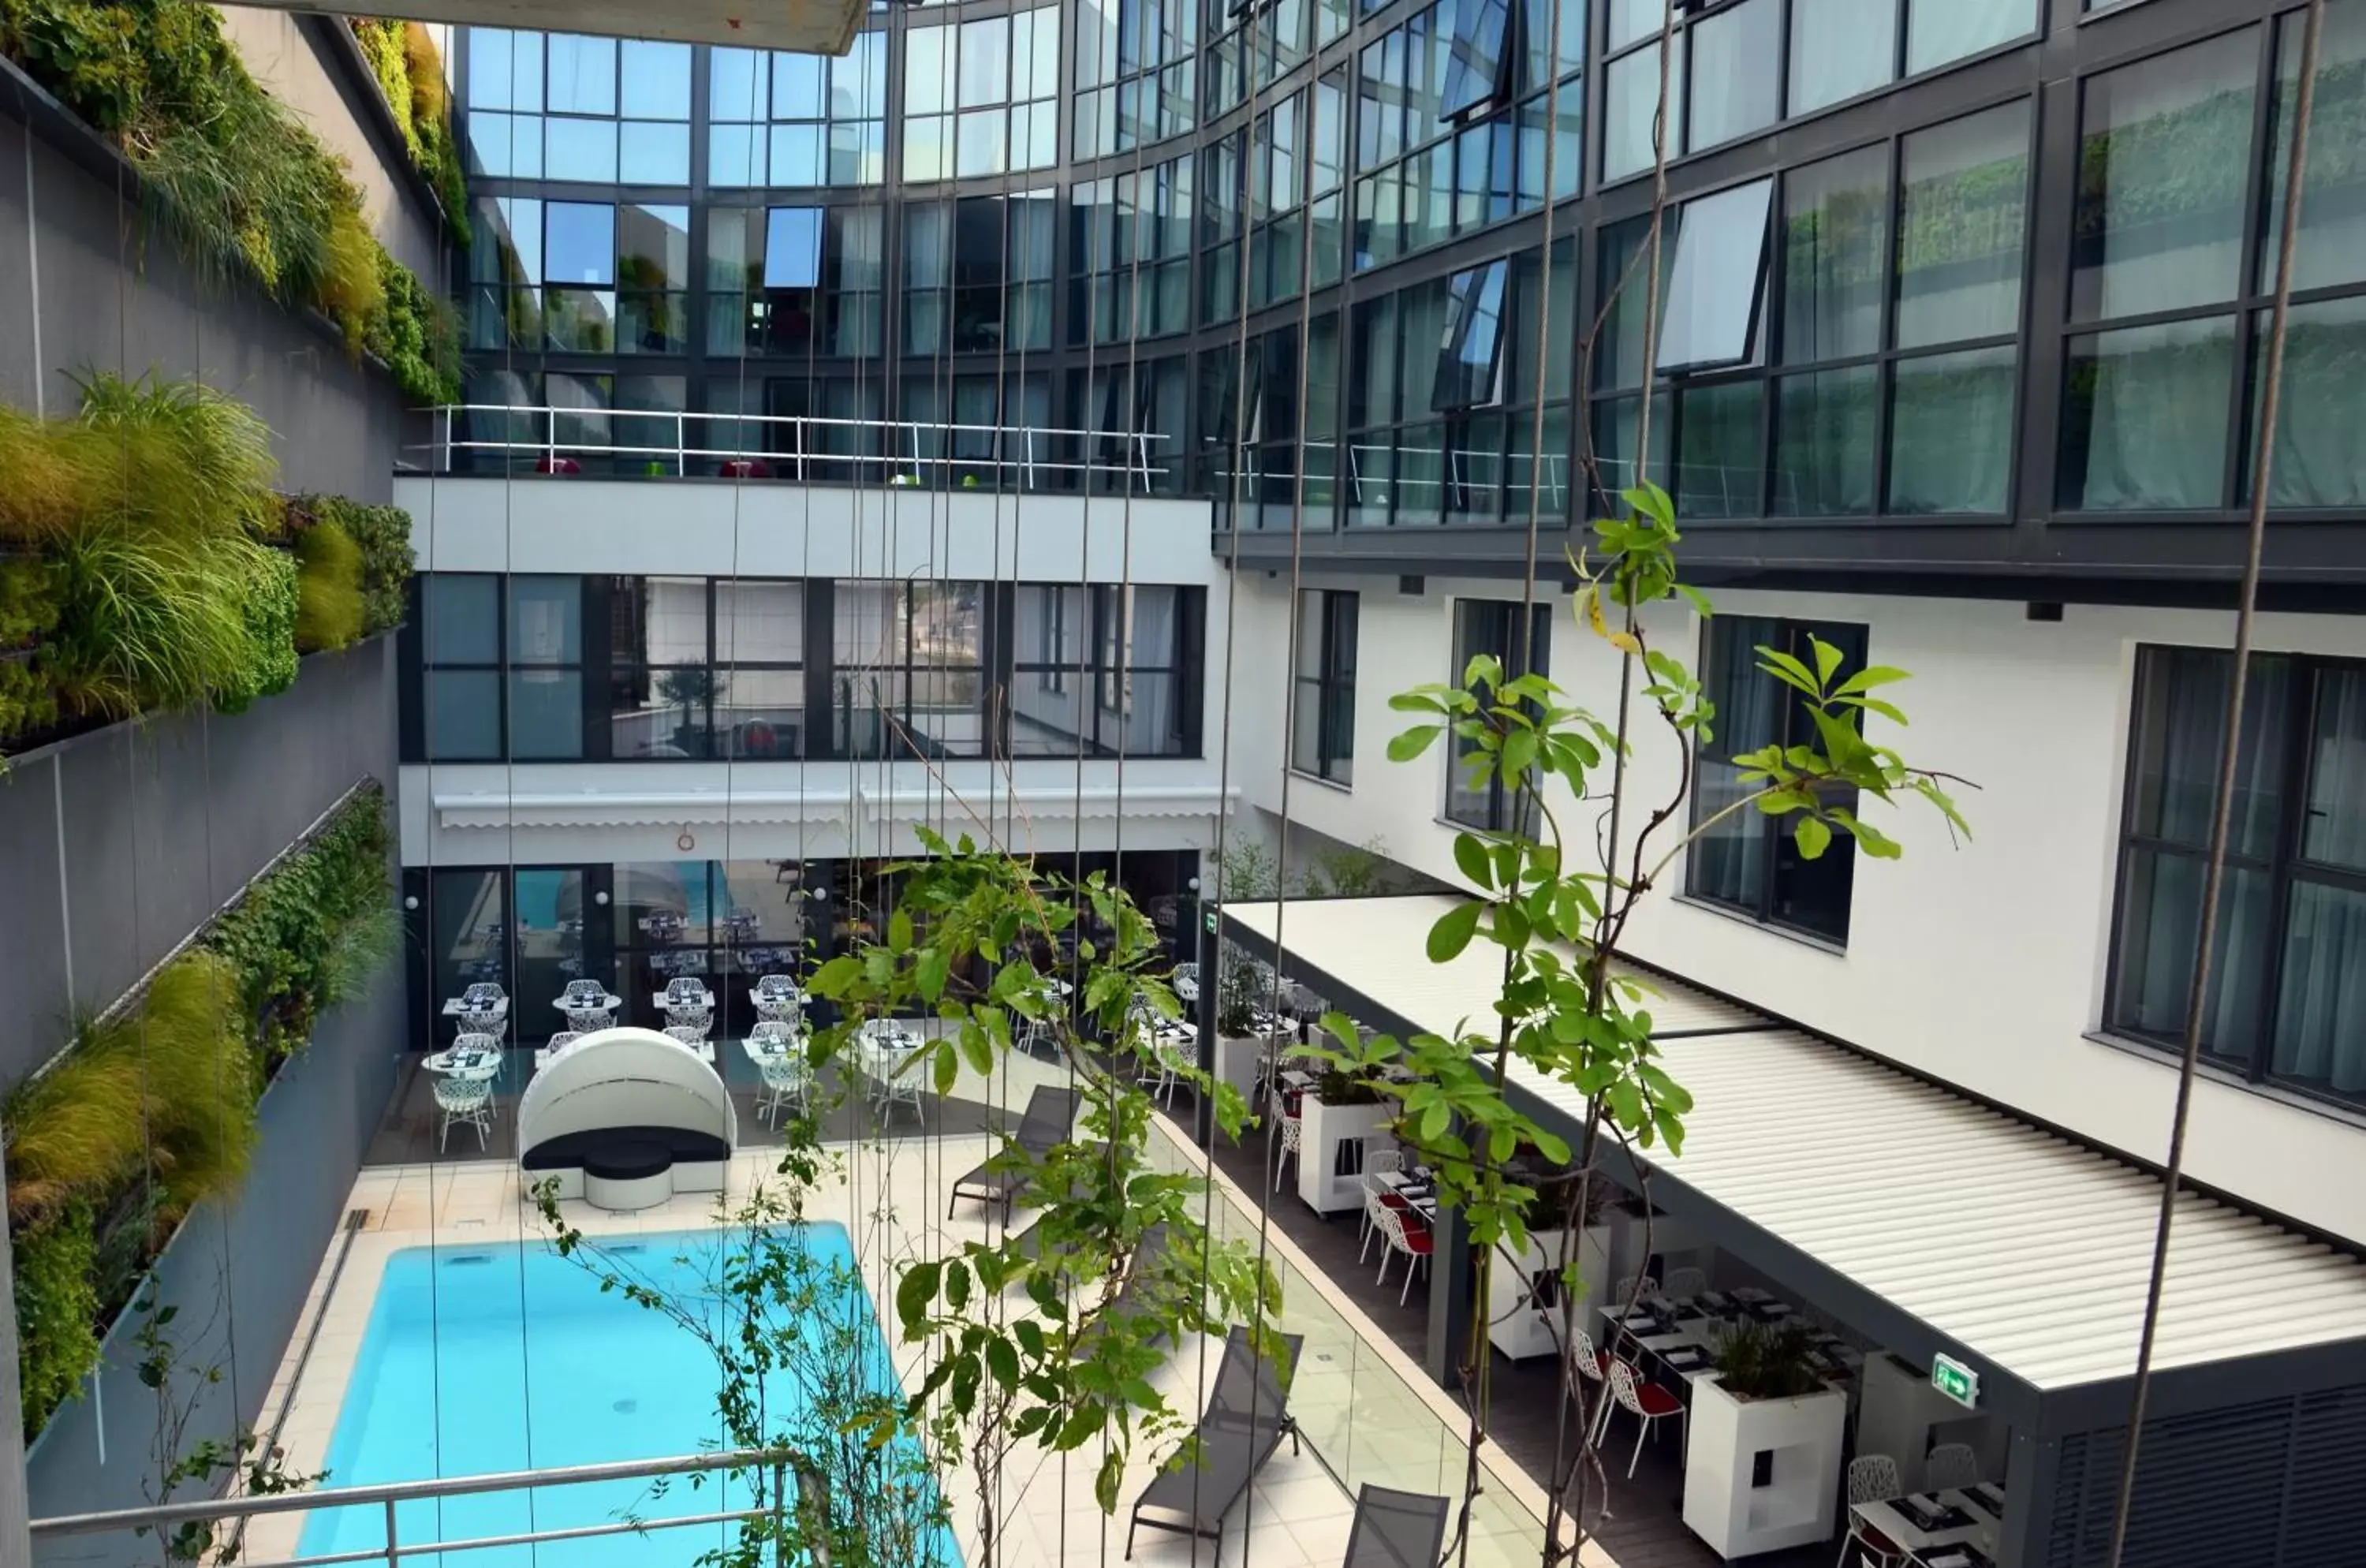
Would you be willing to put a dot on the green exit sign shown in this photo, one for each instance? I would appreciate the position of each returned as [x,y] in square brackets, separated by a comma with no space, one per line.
[1211,922]
[1955,1379]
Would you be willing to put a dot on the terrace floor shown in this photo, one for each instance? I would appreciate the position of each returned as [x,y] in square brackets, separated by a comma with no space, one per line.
[1353,1395]
[1643,1527]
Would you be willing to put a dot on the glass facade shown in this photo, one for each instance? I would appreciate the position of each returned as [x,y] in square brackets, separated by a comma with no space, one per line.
[563,667]
[1288,257]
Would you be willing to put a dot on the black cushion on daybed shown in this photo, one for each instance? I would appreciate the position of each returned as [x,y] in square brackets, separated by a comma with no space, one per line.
[609,1145]
[628,1162]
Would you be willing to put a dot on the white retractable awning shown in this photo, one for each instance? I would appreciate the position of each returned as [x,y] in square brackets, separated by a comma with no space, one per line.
[2023,1248]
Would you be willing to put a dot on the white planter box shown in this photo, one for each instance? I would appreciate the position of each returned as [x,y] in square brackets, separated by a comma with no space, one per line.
[1799,1504]
[1536,1331]
[1237,1064]
[1331,1152]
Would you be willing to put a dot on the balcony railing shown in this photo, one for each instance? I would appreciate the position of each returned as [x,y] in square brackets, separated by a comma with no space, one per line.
[228,1513]
[799,447]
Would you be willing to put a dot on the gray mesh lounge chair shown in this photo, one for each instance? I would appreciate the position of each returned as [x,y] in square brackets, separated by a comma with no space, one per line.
[1396,1530]
[1248,1415]
[1049,1113]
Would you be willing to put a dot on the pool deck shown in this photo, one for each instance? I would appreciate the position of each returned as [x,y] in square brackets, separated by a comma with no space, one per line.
[893,1199]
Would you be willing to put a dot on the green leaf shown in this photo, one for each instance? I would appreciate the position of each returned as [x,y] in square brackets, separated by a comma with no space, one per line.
[948,1066]
[1828,659]
[935,968]
[978,1052]
[1106,1478]
[1003,1362]
[899,932]
[1813,838]
[1868,678]
[1787,670]
[914,1292]
[1699,600]
[1471,856]
[956,1281]
[1453,931]
[1404,748]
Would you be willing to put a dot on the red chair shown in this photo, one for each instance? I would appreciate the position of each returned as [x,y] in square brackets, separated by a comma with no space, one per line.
[546,463]
[1405,1232]
[1644,1399]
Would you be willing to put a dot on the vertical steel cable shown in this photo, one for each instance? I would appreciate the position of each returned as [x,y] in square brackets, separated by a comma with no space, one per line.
[2229,762]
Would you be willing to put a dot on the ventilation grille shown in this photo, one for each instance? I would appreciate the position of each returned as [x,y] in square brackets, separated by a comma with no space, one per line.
[2274,1485]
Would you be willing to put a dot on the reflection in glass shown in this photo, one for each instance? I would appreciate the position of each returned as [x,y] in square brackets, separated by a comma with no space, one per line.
[1951,433]
[1839,49]
[2335,833]
[1631,101]
[582,149]
[652,153]
[2320,1038]
[2180,726]
[1471,359]
[1824,441]
[1835,237]
[546,619]
[1736,83]
[549,950]
[504,70]
[461,617]
[2163,164]
[580,244]
[1940,30]
[1720,449]
[468,918]
[2144,424]
[657,80]
[545,714]
[2331,248]
[583,74]
[1960,218]
[659,712]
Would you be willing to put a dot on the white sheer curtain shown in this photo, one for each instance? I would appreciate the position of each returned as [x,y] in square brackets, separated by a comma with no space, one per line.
[2321,1014]
[1940,30]
[1150,723]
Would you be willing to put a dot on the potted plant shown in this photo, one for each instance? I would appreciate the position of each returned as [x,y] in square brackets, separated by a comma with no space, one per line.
[1238,1050]
[1337,1118]
[1763,1446]
[1532,1277]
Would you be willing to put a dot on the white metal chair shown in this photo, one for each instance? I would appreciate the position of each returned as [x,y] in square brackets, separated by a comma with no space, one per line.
[788,1077]
[1950,1466]
[777,998]
[555,1048]
[1872,1478]
[483,994]
[1684,1284]
[588,1005]
[1405,1232]
[466,1098]
[1593,1367]
[700,1020]
[1645,1400]
[690,1037]
[1289,1130]
[1377,1164]
[686,991]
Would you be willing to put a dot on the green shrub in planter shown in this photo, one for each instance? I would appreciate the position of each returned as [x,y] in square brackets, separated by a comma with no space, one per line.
[271,605]
[57,1312]
[329,579]
[383,534]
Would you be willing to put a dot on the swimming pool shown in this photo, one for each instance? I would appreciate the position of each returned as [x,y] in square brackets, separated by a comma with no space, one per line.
[507,1357]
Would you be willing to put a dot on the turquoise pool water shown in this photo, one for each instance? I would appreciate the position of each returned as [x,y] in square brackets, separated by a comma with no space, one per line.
[508,1357]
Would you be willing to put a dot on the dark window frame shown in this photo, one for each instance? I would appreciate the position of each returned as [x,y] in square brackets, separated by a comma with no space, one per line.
[428,667]
[1504,643]
[1772,834]
[1106,666]
[1331,708]
[2285,867]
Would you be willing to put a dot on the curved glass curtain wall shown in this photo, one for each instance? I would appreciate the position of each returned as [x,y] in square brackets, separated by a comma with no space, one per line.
[921,231]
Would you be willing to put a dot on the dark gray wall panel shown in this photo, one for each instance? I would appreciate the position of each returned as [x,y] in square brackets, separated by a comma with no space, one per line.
[117,295]
[163,822]
[315,1121]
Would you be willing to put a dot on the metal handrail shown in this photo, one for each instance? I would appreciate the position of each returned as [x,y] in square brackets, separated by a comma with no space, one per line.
[900,442]
[387,1494]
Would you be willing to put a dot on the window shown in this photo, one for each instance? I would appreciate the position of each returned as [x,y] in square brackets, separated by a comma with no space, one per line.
[1471,360]
[1735,87]
[1839,49]
[1713,289]
[1747,860]
[982,97]
[565,107]
[760,682]
[1940,30]
[460,687]
[1101,670]
[977,274]
[2162,385]
[652,279]
[1476,58]
[1136,82]
[2288,971]
[1323,727]
[789,120]
[793,280]
[1901,290]
[1492,627]
[909,660]
[1130,254]
[662,678]
[545,675]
